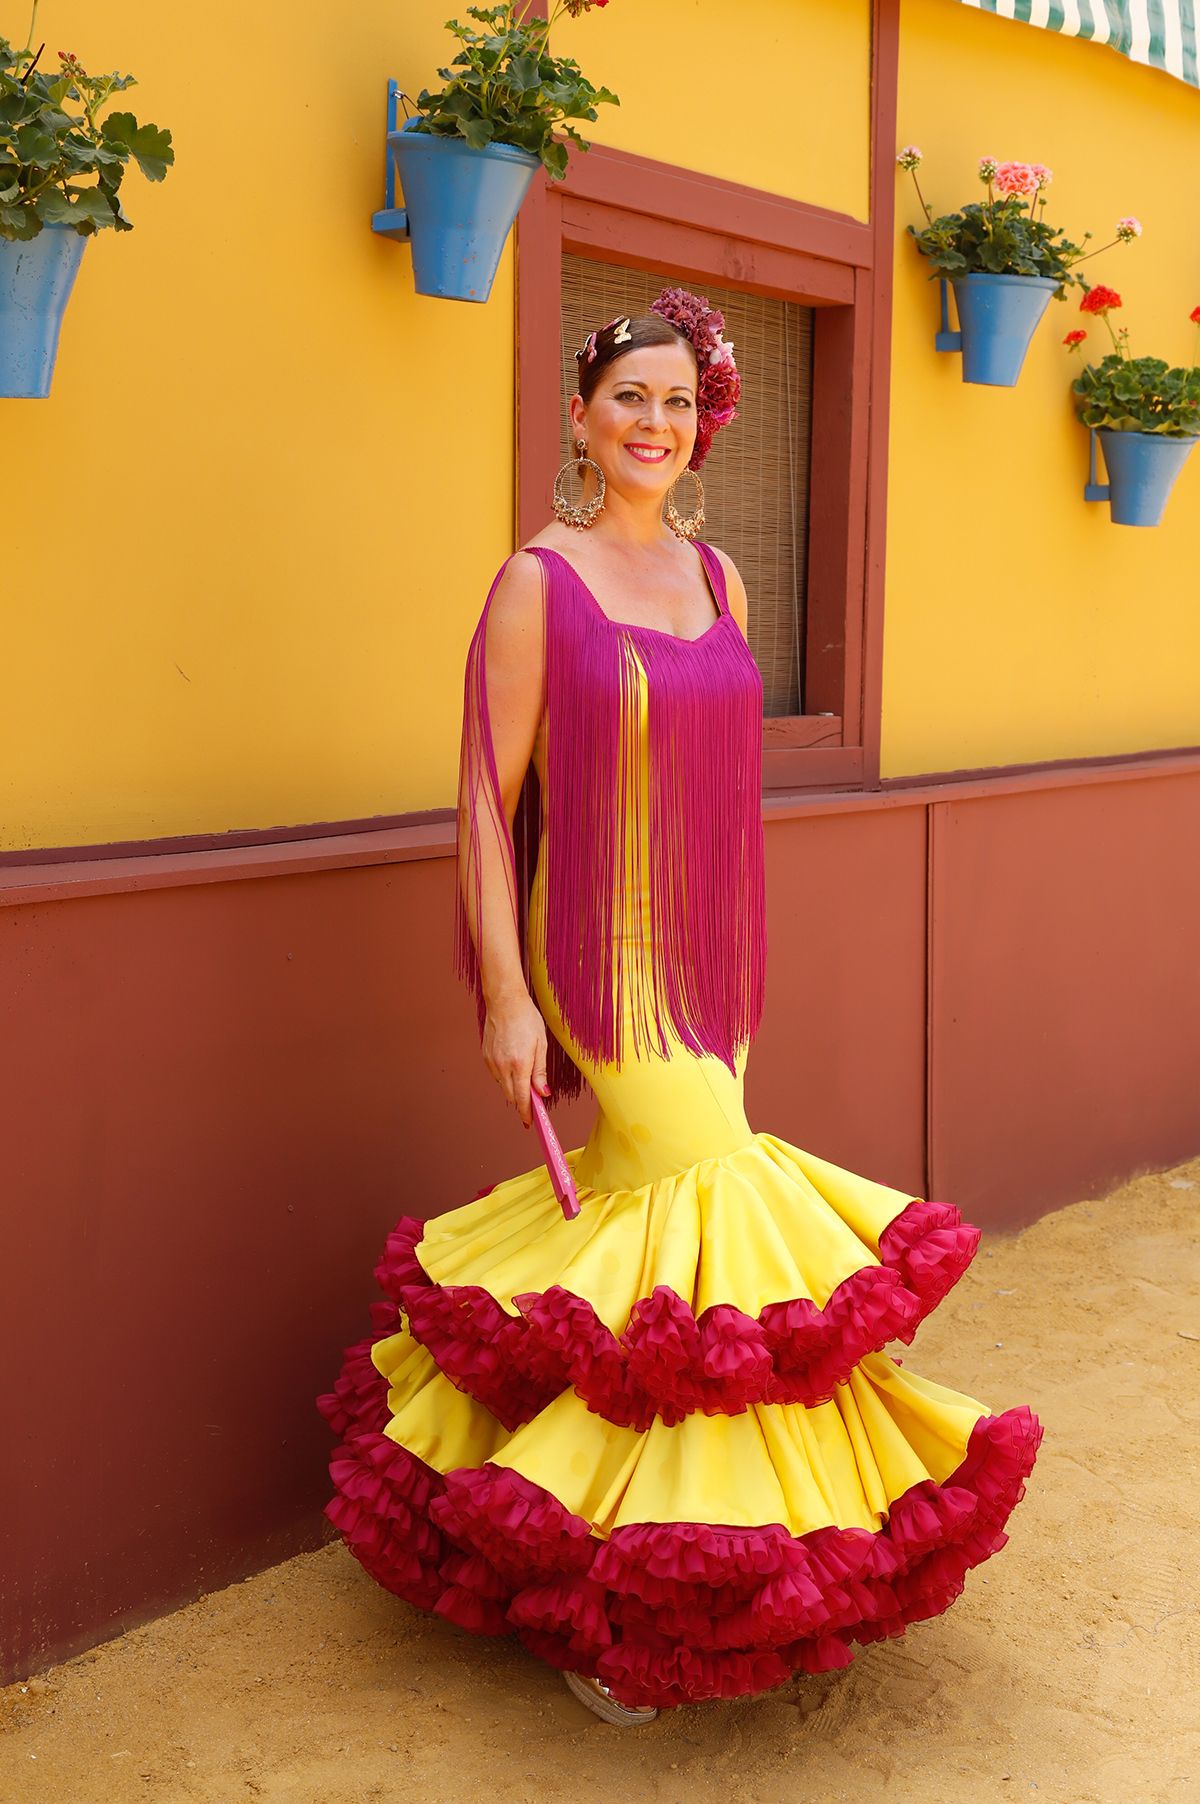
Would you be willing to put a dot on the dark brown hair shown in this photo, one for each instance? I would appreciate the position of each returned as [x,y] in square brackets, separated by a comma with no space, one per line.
[644,329]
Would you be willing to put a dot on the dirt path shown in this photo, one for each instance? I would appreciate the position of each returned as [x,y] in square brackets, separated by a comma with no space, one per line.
[1067,1672]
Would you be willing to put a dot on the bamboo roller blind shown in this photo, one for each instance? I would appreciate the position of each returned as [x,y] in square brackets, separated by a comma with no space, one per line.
[756,475]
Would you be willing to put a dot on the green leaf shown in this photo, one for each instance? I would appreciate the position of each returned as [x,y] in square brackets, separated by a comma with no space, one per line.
[478,132]
[54,208]
[523,73]
[148,143]
[53,119]
[554,156]
[19,222]
[37,149]
[93,205]
[15,108]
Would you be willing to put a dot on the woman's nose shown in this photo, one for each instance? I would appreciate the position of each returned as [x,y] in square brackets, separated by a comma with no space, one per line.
[654,415]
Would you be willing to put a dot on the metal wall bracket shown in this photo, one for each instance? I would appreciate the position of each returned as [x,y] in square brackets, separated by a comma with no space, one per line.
[1093,490]
[946,340]
[391,221]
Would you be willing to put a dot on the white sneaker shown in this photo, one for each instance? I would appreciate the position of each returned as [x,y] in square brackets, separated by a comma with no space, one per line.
[599,1698]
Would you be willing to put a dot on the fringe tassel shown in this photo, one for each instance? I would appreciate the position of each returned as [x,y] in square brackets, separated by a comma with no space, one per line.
[482,821]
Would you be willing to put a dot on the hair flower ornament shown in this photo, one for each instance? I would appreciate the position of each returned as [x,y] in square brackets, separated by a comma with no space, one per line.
[720,387]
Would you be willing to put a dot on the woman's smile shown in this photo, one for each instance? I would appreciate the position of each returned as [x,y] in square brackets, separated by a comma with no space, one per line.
[648,454]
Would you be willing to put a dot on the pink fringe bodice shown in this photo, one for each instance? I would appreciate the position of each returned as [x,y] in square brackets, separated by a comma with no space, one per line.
[680,825]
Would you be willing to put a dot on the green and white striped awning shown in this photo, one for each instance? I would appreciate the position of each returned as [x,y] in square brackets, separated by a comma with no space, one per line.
[1161,33]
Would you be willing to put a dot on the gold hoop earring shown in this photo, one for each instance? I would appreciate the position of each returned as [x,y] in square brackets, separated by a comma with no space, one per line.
[583,514]
[686,529]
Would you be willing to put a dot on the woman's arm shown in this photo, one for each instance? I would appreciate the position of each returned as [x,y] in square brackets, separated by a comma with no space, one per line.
[514,1034]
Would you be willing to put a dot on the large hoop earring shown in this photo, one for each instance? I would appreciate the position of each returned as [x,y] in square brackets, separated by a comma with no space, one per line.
[583,514]
[686,529]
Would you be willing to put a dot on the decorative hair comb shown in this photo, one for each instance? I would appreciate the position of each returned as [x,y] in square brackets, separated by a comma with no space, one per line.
[621,336]
[556,1159]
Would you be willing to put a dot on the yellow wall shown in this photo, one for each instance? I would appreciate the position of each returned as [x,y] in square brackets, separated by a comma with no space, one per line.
[772,93]
[261,507]
[1021,624]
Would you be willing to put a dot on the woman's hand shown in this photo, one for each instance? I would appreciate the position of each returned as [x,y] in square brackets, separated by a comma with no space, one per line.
[514,1049]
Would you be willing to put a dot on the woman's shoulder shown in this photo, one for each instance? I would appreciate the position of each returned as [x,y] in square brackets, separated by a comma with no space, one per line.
[515,606]
[522,568]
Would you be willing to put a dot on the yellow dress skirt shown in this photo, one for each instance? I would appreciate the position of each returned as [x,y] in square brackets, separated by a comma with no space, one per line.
[662,1443]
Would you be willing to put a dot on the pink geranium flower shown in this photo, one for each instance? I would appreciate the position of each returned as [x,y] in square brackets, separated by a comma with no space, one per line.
[1017,178]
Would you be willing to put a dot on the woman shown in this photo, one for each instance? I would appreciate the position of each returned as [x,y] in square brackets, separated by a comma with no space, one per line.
[662,1441]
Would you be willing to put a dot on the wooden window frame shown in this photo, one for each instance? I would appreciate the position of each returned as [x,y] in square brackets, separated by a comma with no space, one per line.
[614,206]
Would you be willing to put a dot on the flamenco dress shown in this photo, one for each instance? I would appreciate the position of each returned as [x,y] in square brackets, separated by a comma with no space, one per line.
[662,1443]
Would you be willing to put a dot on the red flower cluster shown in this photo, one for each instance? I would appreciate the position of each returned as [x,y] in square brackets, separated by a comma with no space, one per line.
[1099,299]
[575,7]
[1194,316]
[1074,338]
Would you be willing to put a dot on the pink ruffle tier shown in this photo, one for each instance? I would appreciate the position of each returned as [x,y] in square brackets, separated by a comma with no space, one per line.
[668,1361]
[667,1613]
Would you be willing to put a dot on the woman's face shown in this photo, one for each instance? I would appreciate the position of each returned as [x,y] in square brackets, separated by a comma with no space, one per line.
[640,424]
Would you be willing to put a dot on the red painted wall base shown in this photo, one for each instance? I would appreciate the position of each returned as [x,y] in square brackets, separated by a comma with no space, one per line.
[221,1093]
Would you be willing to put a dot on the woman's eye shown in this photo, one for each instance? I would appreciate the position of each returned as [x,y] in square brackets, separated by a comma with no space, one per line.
[631,394]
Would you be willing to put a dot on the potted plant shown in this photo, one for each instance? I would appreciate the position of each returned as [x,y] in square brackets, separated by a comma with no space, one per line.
[1145,414]
[1004,262]
[60,176]
[465,159]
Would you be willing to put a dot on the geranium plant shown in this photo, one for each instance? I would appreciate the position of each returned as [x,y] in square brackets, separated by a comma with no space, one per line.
[60,163]
[505,86]
[1008,233]
[1133,394]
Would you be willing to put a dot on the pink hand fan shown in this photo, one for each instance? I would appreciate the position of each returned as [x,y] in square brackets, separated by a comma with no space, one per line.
[556,1160]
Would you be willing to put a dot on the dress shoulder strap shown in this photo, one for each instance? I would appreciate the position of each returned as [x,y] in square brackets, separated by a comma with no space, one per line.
[716,573]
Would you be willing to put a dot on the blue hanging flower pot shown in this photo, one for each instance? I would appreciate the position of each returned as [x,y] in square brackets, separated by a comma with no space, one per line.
[1142,467]
[997,317]
[36,279]
[461,204]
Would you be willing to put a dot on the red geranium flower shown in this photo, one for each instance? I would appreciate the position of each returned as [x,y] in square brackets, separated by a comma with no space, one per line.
[1074,338]
[1194,316]
[1099,299]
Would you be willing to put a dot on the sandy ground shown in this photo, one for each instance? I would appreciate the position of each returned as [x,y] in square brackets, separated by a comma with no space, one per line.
[1067,1671]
